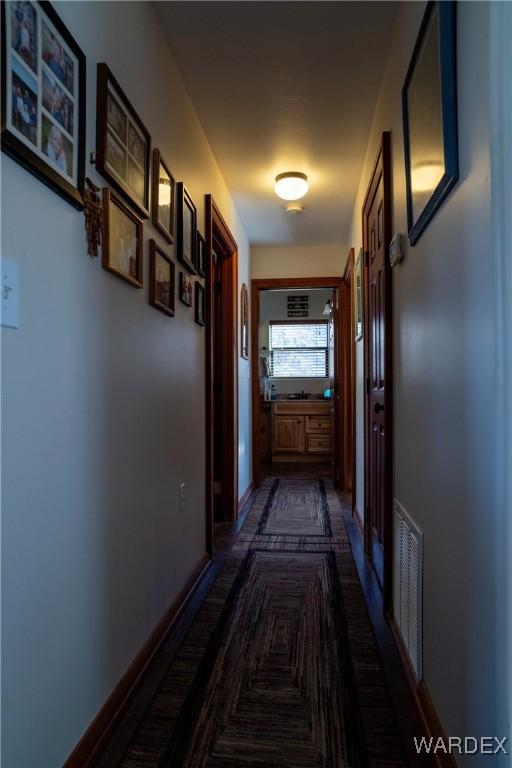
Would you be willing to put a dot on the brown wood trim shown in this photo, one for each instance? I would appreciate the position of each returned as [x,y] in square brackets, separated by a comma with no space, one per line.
[382,168]
[218,235]
[348,382]
[100,730]
[245,497]
[262,284]
[358,519]
[431,722]
[296,282]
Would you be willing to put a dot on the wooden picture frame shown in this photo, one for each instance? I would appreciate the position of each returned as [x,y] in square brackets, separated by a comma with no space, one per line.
[244,322]
[186,228]
[200,304]
[429,109]
[43,97]
[201,255]
[123,144]
[163,193]
[122,245]
[161,280]
[185,290]
[358,296]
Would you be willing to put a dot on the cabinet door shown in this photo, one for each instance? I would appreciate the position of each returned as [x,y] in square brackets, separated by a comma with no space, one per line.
[265,441]
[288,434]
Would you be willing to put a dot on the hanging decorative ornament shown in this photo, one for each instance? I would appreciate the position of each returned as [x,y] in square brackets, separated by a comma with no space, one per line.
[93,211]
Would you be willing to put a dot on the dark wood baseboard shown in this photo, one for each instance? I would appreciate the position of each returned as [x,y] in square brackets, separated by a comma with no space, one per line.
[358,519]
[105,722]
[245,497]
[432,723]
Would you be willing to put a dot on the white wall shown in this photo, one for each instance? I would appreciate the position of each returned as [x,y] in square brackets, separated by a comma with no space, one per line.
[102,418]
[273,306]
[297,260]
[444,387]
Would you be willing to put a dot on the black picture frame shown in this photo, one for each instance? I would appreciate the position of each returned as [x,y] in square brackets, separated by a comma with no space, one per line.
[429,111]
[201,255]
[120,130]
[200,304]
[185,289]
[161,293]
[186,228]
[161,172]
[29,120]
[116,211]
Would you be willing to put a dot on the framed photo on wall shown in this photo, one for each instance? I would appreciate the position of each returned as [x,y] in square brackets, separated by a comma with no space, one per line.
[161,280]
[123,144]
[122,239]
[429,107]
[43,97]
[244,322]
[358,296]
[201,255]
[200,310]
[162,197]
[185,289]
[186,228]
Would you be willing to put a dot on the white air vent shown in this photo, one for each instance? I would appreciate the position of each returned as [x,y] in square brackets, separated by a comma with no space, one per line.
[408,584]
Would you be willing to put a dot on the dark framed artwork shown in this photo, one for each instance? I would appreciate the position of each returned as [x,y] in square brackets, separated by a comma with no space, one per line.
[43,97]
[162,197]
[185,292]
[161,280]
[244,322]
[358,296]
[200,307]
[186,228]
[122,239]
[201,255]
[429,107]
[123,144]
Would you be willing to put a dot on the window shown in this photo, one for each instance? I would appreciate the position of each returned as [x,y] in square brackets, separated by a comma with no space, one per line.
[299,350]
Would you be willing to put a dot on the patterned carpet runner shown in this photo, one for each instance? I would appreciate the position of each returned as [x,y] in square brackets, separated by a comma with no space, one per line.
[280,667]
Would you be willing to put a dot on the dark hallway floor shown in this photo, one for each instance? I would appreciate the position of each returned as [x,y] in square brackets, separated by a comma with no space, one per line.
[278,660]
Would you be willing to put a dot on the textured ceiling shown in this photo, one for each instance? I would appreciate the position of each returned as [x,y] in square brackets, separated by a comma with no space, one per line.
[284,86]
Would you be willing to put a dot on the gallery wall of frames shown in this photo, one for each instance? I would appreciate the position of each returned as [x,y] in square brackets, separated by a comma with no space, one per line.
[43,128]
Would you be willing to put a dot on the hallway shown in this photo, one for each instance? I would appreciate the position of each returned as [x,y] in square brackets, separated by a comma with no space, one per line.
[282,650]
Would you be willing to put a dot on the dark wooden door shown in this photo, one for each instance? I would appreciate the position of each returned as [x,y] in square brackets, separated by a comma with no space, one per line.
[376,233]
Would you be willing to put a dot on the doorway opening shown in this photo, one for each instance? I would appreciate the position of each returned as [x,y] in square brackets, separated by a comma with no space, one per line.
[298,367]
[221,372]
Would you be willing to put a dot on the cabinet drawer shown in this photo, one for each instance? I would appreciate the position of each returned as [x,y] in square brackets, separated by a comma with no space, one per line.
[318,423]
[318,443]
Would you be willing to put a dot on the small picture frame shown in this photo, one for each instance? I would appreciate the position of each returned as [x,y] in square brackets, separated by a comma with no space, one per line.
[244,322]
[186,228]
[201,255]
[185,289]
[200,306]
[162,197]
[161,280]
[429,110]
[43,97]
[358,296]
[123,144]
[122,239]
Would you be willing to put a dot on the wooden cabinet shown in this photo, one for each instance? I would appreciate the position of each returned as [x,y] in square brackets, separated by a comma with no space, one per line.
[288,434]
[301,430]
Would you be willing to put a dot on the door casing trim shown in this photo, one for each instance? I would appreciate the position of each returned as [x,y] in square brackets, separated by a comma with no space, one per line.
[216,230]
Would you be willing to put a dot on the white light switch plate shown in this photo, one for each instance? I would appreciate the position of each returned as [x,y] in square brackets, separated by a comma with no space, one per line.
[10,294]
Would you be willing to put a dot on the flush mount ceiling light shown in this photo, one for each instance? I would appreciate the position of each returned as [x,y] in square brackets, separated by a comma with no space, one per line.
[291,185]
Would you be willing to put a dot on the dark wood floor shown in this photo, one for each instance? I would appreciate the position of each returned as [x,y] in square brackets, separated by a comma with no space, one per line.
[408,716]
